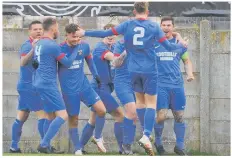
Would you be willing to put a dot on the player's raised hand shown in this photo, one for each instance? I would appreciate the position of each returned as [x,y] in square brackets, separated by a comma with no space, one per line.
[185,42]
[80,32]
[190,78]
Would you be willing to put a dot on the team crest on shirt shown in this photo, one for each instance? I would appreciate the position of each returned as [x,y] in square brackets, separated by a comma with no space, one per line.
[80,52]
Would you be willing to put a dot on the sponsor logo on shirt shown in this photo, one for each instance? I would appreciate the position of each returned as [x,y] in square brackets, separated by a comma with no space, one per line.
[166,56]
[76,64]
[80,52]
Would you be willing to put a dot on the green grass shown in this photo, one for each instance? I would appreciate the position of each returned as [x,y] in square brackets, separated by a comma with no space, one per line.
[191,153]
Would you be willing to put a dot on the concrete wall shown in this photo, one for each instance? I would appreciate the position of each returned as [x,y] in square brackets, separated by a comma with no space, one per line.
[208,96]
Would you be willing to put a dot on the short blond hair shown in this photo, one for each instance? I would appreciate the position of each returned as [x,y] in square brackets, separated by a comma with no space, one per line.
[141,7]
[108,26]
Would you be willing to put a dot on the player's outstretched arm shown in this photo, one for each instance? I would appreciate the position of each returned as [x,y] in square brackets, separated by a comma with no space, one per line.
[94,33]
[163,40]
[120,29]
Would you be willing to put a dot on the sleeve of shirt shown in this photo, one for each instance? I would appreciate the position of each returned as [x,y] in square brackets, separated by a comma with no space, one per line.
[99,33]
[25,49]
[61,57]
[120,29]
[100,52]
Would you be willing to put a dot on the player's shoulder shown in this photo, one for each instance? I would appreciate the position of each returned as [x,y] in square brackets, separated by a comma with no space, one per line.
[100,45]
[27,42]
[84,43]
[62,44]
[26,45]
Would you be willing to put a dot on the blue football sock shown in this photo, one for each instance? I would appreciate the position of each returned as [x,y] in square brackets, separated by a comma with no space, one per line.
[127,131]
[179,129]
[46,125]
[74,136]
[158,128]
[86,134]
[52,130]
[40,127]
[118,131]
[100,121]
[140,114]
[133,133]
[16,133]
[149,120]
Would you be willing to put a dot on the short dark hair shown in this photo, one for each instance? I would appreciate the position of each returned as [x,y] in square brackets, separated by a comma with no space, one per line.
[108,26]
[141,7]
[33,23]
[71,28]
[167,18]
[48,22]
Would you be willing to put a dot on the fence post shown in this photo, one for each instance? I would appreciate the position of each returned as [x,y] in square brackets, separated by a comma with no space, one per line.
[205,31]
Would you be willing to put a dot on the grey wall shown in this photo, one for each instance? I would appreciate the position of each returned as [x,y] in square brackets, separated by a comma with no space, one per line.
[208,96]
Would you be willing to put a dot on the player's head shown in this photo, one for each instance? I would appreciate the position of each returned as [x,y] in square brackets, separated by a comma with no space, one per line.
[141,8]
[110,39]
[167,25]
[50,25]
[35,29]
[71,34]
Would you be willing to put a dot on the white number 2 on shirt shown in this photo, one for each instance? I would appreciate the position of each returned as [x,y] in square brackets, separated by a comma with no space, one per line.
[37,52]
[139,34]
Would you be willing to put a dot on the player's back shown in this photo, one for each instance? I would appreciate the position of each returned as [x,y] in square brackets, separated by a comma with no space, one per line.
[139,40]
[45,75]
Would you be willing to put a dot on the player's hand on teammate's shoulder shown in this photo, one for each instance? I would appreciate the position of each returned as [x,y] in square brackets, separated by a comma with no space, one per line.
[190,77]
[117,62]
[34,43]
[80,32]
[184,41]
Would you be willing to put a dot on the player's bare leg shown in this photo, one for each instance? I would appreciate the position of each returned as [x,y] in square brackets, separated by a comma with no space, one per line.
[100,109]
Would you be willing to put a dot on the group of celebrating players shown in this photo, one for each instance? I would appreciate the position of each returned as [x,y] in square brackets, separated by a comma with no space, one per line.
[143,68]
